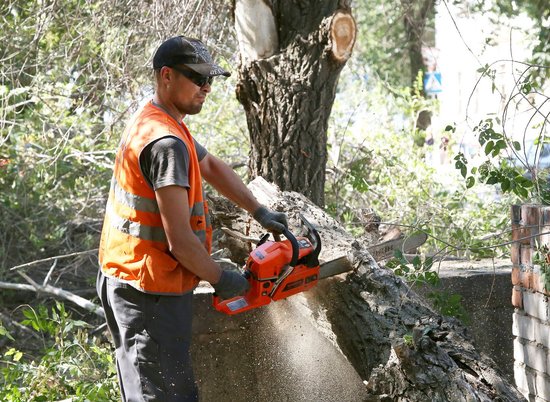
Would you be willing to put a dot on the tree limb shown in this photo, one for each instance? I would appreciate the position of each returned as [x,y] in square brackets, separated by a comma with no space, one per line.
[28,264]
[51,290]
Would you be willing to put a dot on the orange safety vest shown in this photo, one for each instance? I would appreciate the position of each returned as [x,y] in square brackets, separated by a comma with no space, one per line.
[133,246]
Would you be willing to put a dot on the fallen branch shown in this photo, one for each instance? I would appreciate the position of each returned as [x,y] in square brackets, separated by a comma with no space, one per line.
[51,290]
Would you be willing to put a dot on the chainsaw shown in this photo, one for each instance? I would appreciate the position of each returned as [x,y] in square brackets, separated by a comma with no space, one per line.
[276,270]
[279,269]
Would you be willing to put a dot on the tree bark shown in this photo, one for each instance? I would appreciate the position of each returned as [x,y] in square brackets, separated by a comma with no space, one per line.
[395,341]
[291,58]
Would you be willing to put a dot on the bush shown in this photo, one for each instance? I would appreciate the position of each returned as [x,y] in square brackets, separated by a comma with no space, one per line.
[71,363]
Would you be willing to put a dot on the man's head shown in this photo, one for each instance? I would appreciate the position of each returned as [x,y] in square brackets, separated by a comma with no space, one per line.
[184,71]
[189,52]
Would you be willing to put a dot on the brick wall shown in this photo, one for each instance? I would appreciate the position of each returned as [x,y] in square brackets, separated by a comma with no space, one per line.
[531,318]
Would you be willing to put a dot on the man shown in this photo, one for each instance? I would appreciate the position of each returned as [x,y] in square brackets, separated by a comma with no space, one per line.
[155,244]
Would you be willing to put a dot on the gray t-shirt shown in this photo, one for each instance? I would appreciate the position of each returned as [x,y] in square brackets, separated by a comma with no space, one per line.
[165,162]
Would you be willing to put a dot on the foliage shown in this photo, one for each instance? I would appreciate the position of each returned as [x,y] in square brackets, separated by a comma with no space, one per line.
[495,170]
[376,160]
[505,159]
[71,363]
[418,271]
[449,305]
[382,48]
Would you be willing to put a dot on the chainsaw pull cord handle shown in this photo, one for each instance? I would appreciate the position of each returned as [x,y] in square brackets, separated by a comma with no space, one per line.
[293,261]
[293,242]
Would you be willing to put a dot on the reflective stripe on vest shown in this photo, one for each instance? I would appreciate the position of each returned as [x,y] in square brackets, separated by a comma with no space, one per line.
[135,229]
[140,230]
[132,200]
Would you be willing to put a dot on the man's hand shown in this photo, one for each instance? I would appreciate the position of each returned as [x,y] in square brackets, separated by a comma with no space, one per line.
[231,284]
[270,220]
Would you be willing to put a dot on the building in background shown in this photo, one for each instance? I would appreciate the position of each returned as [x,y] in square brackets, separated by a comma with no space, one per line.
[466,45]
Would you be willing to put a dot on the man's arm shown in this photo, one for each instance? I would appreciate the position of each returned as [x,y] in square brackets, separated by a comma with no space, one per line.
[182,241]
[227,182]
[187,248]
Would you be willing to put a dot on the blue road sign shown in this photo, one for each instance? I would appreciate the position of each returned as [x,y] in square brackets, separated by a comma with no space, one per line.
[432,82]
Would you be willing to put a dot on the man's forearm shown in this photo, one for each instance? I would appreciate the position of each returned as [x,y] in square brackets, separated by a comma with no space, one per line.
[194,257]
[182,241]
[229,184]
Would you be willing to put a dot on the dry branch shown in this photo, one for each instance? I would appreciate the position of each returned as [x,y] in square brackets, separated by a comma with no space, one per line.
[54,291]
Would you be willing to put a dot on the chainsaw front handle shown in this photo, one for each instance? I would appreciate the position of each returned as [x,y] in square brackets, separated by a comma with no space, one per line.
[295,247]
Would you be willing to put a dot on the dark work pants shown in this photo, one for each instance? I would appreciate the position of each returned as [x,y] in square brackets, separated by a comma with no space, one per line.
[152,335]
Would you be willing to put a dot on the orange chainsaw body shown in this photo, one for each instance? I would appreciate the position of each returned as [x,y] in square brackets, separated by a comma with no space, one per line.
[276,270]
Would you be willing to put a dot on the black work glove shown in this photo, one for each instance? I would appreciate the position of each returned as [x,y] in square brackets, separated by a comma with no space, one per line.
[231,284]
[270,220]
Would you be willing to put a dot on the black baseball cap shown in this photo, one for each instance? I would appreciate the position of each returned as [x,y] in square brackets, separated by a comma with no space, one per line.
[190,52]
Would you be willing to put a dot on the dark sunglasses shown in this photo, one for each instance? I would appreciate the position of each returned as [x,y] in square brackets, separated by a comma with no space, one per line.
[197,79]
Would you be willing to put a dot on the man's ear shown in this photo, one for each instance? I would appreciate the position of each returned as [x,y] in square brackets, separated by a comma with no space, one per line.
[166,75]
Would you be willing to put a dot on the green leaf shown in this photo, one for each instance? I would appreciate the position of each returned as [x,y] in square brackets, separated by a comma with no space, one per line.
[450,128]
[428,263]
[16,354]
[470,181]
[398,254]
[4,332]
[500,145]
[517,145]
[489,147]
[521,192]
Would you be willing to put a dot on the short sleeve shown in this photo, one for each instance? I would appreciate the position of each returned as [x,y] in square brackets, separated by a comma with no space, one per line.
[201,151]
[165,162]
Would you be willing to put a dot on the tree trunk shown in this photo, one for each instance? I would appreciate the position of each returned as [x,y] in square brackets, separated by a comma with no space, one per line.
[291,58]
[415,18]
[395,341]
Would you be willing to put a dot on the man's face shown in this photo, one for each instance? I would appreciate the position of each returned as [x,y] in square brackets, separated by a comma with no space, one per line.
[186,96]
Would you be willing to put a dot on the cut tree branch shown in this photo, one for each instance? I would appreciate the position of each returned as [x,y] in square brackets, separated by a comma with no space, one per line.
[51,290]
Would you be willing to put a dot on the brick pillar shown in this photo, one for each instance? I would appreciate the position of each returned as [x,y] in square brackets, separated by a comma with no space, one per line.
[531,320]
